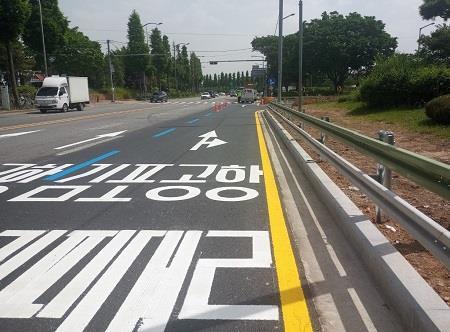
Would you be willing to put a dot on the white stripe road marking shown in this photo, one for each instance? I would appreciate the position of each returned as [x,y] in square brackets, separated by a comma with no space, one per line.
[156,291]
[80,317]
[19,134]
[62,302]
[109,135]
[44,275]
[25,255]
[24,237]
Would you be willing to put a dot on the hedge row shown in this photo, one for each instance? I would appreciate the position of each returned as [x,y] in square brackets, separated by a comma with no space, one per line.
[404,80]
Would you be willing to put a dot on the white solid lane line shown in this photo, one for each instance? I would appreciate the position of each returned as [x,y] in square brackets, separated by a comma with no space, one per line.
[92,139]
[19,134]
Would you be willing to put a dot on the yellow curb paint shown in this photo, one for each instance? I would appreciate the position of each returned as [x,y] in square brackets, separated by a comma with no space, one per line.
[294,310]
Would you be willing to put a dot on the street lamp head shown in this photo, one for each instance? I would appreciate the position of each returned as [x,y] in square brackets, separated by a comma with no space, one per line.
[293,14]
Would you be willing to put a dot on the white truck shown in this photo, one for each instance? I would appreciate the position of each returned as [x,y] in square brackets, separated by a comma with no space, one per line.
[62,93]
[248,95]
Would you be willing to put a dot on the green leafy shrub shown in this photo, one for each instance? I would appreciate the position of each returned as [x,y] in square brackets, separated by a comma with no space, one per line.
[353,96]
[404,80]
[438,109]
[26,90]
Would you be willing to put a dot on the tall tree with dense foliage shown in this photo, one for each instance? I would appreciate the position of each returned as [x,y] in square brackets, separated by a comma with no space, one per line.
[79,56]
[436,47]
[435,8]
[13,16]
[55,28]
[138,60]
[196,71]
[340,44]
[159,55]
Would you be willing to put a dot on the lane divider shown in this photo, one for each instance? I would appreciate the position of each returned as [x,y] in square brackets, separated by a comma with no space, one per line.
[193,121]
[294,309]
[77,167]
[93,116]
[164,132]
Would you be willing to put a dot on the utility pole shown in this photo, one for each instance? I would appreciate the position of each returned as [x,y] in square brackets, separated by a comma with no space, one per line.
[111,73]
[43,40]
[300,56]
[280,50]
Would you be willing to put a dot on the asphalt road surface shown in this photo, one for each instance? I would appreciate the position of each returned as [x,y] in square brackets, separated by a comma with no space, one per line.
[144,217]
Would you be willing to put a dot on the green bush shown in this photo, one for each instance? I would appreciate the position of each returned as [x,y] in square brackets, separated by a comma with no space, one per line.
[404,80]
[353,96]
[26,90]
[438,109]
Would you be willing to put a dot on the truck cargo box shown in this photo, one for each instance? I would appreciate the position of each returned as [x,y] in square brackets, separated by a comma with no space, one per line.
[78,89]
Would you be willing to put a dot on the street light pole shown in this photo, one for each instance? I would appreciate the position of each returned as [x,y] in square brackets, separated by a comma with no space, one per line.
[113,96]
[300,56]
[280,49]
[43,39]
[420,34]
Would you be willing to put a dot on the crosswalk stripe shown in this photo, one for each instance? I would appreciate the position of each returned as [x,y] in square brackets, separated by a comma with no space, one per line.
[80,317]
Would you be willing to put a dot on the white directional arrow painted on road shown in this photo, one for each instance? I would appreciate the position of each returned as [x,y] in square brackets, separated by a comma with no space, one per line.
[209,143]
[110,135]
[19,134]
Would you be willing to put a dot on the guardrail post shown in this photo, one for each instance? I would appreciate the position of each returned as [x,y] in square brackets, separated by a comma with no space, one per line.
[384,174]
[323,136]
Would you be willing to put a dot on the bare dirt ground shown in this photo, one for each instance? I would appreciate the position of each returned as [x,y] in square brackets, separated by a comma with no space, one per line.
[429,203]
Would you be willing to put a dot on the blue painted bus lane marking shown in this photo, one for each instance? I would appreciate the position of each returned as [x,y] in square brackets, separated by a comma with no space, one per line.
[193,121]
[164,132]
[75,168]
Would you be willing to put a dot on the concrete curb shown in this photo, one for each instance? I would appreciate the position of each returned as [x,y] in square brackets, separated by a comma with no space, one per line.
[408,294]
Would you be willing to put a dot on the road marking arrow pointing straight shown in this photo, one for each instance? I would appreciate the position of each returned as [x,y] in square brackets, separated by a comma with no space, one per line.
[92,139]
[210,143]
[19,134]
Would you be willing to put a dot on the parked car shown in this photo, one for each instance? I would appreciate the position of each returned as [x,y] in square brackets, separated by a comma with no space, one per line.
[159,97]
[62,93]
[233,93]
[205,95]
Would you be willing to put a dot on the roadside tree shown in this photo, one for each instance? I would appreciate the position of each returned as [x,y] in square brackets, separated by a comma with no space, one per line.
[13,16]
[55,28]
[435,8]
[138,60]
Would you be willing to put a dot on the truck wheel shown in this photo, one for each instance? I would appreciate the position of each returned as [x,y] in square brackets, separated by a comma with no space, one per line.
[65,108]
[43,111]
[80,107]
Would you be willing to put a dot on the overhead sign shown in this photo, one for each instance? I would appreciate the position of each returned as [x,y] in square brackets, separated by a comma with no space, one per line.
[207,142]
[271,82]
[213,62]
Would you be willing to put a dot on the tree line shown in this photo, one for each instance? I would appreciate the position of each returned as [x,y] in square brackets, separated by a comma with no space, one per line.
[341,47]
[143,63]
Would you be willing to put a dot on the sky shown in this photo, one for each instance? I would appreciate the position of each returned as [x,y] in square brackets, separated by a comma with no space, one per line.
[223,30]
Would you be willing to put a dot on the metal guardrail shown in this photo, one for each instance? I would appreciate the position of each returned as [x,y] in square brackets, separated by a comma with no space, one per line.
[429,173]
[430,234]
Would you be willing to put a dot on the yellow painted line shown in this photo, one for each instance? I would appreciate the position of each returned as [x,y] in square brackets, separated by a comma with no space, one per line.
[68,120]
[293,303]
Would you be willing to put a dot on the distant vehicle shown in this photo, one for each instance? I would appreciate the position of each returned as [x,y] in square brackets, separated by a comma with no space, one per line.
[62,93]
[233,93]
[222,94]
[159,97]
[213,94]
[205,95]
[248,96]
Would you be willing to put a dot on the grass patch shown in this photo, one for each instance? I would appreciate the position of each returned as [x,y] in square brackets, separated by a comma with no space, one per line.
[413,119]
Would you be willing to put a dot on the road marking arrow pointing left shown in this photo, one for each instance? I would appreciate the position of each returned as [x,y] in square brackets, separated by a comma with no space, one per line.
[209,144]
[92,139]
